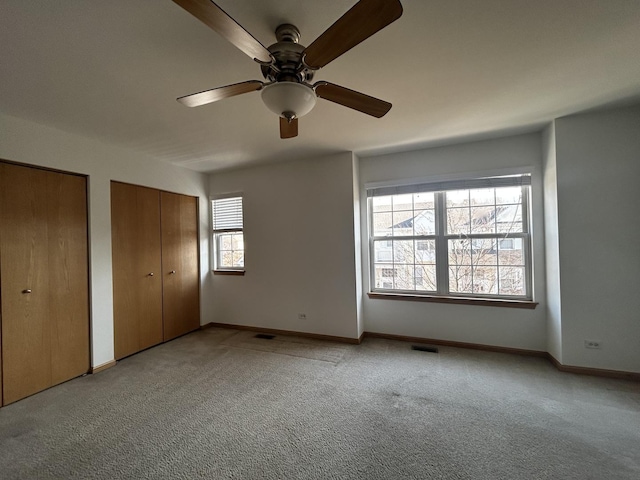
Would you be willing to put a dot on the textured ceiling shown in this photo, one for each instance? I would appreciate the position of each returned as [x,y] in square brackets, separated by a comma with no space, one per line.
[453,69]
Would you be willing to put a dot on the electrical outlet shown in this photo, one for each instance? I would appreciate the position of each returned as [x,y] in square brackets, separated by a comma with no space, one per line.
[592,344]
[302,316]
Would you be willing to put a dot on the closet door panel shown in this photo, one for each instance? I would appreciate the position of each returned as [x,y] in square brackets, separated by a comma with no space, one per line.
[26,345]
[137,268]
[68,276]
[180,264]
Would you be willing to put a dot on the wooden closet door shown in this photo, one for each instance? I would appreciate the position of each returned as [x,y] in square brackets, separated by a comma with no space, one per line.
[26,345]
[180,265]
[137,268]
[44,273]
[68,276]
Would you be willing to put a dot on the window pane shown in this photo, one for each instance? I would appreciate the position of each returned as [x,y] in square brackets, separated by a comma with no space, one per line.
[381,204]
[460,252]
[382,223]
[383,251]
[510,251]
[509,219]
[484,252]
[512,281]
[404,277]
[422,201]
[425,251]
[482,196]
[458,221]
[225,242]
[457,198]
[403,251]
[508,195]
[237,241]
[402,202]
[238,259]
[424,222]
[483,219]
[230,250]
[403,223]
[460,279]
[226,258]
[485,280]
[425,277]
[384,274]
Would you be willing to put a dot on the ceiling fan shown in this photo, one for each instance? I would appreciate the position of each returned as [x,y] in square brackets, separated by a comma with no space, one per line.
[289,67]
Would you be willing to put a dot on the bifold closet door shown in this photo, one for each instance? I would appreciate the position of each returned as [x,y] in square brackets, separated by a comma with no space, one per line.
[44,277]
[181,286]
[137,268]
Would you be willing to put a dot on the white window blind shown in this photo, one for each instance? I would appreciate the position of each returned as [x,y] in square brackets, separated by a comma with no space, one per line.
[227,214]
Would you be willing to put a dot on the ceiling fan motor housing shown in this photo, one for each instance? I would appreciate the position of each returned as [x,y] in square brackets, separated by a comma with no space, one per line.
[287,53]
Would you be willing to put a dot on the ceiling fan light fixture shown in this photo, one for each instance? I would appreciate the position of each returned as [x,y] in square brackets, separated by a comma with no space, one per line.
[287,98]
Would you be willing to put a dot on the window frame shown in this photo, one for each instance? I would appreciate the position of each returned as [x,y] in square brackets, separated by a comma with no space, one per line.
[216,235]
[441,239]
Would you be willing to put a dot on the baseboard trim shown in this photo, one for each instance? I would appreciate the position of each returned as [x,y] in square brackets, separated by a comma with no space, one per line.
[104,366]
[273,331]
[619,374]
[596,372]
[448,343]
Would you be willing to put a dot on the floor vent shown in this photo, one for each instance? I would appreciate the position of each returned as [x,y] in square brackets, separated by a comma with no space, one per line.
[425,348]
[265,336]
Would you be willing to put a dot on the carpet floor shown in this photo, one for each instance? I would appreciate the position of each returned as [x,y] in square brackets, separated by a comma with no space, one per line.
[222,404]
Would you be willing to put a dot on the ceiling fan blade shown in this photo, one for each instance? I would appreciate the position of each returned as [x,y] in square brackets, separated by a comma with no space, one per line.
[214,17]
[352,99]
[363,20]
[288,129]
[220,93]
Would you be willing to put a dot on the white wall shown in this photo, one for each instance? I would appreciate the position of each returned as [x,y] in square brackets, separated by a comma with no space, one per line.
[598,172]
[552,245]
[505,327]
[30,143]
[300,248]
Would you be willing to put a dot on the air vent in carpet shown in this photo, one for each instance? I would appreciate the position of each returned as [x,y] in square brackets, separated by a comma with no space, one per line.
[424,348]
[265,336]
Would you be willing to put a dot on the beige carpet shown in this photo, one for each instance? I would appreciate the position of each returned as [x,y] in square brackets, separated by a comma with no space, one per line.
[323,351]
[219,404]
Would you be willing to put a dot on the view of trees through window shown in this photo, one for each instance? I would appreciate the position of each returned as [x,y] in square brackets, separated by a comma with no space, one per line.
[230,250]
[451,242]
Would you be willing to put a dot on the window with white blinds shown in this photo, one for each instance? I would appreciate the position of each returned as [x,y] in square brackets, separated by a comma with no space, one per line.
[228,235]
[466,238]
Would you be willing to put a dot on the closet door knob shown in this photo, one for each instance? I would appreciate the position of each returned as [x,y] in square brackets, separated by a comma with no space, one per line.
[172,271]
[28,290]
[151,274]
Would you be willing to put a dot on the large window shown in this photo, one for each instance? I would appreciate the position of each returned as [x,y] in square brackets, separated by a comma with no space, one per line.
[228,238]
[458,238]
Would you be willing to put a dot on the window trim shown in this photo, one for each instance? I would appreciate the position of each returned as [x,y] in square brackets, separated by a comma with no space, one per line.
[215,249]
[441,238]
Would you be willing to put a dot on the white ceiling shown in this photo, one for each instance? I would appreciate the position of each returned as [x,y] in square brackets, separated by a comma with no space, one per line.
[453,70]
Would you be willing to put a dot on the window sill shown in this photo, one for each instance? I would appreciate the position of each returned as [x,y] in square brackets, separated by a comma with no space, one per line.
[487,302]
[229,272]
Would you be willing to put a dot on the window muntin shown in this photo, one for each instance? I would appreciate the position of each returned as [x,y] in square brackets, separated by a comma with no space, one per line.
[228,235]
[468,242]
